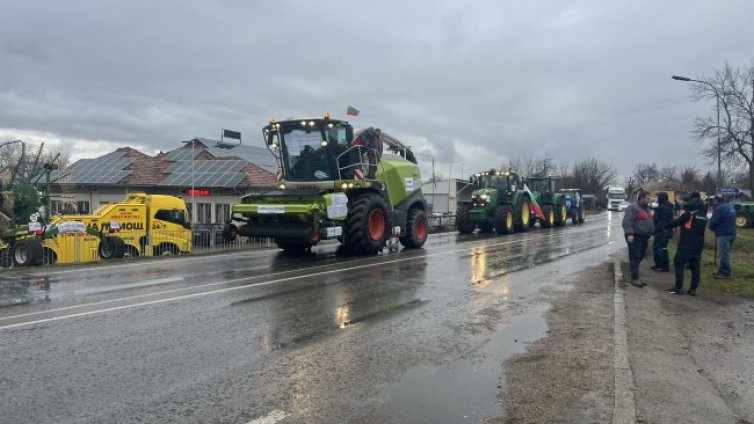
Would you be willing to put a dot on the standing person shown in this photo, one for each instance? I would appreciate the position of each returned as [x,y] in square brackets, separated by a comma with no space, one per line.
[723,223]
[693,222]
[663,216]
[637,227]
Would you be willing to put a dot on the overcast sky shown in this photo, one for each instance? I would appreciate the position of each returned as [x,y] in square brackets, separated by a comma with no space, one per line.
[469,82]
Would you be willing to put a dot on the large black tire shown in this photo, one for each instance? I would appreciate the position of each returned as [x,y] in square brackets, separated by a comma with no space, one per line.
[561,215]
[230,233]
[463,221]
[574,215]
[504,219]
[28,252]
[582,214]
[524,217]
[112,247]
[485,226]
[549,220]
[743,220]
[416,229]
[367,225]
[49,257]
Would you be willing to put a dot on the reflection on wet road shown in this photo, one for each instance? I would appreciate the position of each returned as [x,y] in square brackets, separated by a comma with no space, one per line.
[323,337]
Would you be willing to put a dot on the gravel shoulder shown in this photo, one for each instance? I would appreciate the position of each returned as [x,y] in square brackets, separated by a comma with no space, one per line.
[692,358]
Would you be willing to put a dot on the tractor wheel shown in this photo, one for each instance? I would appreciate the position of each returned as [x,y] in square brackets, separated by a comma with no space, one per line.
[524,217]
[743,220]
[367,224]
[582,214]
[485,226]
[463,221]
[416,229]
[28,252]
[230,233]
[504,219]
[112,247]
[549,220]
[574,216]
[561,216]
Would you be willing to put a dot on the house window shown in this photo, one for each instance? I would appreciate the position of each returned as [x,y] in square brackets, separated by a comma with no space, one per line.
[83,207]
[222,213]
[56,206]
[204,213]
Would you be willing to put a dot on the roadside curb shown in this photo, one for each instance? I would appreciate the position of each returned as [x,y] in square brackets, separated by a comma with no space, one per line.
[625,405]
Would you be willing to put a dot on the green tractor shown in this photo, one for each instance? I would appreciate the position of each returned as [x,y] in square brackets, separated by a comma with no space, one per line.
[552,202]
[335,184]
[744,214]
[498,203]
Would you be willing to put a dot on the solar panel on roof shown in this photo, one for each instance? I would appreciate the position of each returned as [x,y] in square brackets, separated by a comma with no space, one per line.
[206,173]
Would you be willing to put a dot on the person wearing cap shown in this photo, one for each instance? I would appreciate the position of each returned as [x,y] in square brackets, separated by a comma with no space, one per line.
[723,223]
[637,227]
[693,222]
[663,216]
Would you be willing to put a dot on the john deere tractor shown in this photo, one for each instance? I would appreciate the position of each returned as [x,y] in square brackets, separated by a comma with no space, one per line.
[552,202]
[498,203]
[335,184]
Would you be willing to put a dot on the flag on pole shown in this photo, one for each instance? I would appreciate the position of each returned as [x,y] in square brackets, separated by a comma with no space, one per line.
[434,179]
[352,111]
[534,205]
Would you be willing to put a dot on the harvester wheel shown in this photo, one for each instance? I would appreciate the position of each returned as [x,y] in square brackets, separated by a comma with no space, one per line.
[112,247]
[549,220]
[416,229]
[367,224]
[27,252]
[562,215]
[504,219]
[524,217]
[582,214]
[743,220]
[463,221]
[485,226]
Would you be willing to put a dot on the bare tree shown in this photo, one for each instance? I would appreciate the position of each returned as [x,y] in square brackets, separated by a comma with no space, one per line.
[22,163]
[592,175]
[669,176]
[690,180]
[733,88]
[645,173]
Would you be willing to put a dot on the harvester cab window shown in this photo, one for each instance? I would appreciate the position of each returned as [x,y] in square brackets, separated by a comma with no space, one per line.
[310,152]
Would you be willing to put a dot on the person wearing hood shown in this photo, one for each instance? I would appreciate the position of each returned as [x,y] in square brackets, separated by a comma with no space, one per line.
[693,222]
[662,217]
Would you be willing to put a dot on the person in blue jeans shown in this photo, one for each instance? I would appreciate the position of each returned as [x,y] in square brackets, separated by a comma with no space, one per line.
[723,223]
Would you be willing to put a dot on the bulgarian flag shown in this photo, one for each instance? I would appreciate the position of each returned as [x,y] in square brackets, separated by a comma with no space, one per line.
[534,205]
[352,111]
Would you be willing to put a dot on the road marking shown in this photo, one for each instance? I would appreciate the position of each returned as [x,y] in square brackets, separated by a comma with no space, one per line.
[229,289]
[270,418]
[625,405]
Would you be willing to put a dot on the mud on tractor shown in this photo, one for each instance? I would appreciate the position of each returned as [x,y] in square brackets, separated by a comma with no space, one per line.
[552,202]
[335,184]
[498,203]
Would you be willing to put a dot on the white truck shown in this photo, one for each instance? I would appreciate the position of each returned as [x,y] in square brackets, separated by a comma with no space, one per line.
[616,199]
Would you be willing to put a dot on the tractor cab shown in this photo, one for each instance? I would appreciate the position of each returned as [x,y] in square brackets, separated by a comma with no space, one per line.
[541,184]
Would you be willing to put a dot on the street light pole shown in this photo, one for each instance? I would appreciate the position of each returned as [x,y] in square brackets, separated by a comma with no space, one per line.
[717,107]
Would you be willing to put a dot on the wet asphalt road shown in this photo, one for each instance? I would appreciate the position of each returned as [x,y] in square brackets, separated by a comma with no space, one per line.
[407,336]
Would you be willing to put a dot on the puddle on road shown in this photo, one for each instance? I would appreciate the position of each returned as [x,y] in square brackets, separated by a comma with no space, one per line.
[464,390]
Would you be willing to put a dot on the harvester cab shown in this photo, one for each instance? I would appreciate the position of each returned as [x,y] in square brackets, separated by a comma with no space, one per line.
[333,183]
[552,202]
[498,203]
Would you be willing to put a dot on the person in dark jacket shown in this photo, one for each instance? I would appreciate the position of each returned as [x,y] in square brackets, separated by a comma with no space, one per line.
[693,222]
[637,227]
[723,223]
[663,216]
